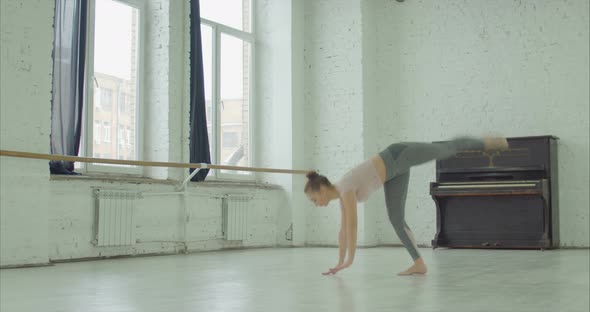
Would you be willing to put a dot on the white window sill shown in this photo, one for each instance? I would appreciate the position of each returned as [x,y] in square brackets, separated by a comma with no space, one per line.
[109,178]
[144,180]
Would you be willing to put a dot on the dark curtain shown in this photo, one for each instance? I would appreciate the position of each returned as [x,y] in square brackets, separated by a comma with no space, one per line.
[68,81]
[199,141]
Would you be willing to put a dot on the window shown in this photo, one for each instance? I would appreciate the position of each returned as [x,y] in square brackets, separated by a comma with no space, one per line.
[106,99]
[97,97]
[121,103]
[97,125]
[113,84]
[228,51]
[121,136]
[230,13]
[128,136]
[107,131]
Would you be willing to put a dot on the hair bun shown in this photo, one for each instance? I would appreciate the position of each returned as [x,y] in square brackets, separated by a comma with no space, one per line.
[312,175]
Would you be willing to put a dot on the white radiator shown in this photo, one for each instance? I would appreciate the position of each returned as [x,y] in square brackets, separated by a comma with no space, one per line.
[235,217]
[114,217]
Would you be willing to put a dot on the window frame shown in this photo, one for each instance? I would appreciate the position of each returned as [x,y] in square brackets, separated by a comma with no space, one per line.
[89,82]
[217,29]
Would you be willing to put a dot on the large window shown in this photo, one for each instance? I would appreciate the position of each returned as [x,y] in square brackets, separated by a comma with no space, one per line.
[228,50]
[113,84]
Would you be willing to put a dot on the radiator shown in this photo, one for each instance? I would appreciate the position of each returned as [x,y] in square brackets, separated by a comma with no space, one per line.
[114,217]
[235,221]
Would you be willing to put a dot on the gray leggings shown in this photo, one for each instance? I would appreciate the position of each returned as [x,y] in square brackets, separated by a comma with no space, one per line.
[398,159]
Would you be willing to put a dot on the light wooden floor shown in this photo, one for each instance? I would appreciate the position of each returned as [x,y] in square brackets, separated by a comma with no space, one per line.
[290,280]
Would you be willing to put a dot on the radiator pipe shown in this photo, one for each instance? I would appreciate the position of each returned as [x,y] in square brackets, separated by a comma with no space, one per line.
[163,193]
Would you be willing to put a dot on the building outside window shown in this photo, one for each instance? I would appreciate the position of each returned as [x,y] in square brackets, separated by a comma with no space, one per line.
[114,92]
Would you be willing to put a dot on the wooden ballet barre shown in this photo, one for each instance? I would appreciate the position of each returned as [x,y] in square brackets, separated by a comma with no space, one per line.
[143,163]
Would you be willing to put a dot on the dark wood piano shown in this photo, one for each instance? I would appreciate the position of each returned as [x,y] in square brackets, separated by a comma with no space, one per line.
[501,199]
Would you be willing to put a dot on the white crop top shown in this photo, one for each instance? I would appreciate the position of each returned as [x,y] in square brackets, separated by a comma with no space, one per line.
[363,180]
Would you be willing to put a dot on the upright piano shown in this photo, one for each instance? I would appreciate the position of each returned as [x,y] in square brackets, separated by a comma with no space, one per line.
[499,199]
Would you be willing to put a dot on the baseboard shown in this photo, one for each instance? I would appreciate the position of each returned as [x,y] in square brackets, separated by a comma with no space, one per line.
[25,266]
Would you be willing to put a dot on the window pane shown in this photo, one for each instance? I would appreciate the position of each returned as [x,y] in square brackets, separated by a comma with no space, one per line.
[232,13]
[107,133]
[116,47]
[207,42]
[230,139]
[234,103]
[97,138]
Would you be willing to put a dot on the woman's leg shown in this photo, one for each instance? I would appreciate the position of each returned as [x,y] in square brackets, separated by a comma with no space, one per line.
[414,153]
[396,190]
[398,159]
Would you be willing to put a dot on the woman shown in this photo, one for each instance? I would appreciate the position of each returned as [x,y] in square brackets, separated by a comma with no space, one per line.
[390,169]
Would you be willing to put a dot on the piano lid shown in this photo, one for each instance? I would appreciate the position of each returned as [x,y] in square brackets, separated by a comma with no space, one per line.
[528,152]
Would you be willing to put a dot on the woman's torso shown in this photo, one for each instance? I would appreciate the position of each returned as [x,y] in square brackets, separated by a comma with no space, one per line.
[363,179]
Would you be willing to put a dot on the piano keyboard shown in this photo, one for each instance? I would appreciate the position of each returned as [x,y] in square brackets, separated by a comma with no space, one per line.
[485,185]
[487,188]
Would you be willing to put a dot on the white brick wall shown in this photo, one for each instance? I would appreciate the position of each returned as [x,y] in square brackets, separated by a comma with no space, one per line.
[157,101]
[517,68]
[333,101]
[43,219]
[159,220]
[25,94]
[278,106]
[381,71]
[375,72]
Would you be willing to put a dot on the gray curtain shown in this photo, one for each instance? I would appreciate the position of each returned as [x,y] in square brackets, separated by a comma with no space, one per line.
[199,141]
[69,48]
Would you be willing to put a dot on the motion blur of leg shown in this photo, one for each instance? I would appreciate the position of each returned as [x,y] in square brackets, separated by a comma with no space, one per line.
[398,159]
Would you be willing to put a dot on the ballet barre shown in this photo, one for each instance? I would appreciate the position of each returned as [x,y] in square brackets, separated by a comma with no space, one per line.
[56,157]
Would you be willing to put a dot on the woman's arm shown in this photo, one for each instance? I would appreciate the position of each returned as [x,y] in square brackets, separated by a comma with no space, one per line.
[342,244]
[348,232]
[349,209]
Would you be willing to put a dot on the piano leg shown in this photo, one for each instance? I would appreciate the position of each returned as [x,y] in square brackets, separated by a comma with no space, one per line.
[435,241]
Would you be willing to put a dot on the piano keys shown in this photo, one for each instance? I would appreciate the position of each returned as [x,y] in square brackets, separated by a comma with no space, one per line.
[499,199]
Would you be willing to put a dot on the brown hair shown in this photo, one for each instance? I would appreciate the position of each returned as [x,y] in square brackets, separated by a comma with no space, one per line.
[315,181]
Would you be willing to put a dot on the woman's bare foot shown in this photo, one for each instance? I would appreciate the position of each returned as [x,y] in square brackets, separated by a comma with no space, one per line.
[495,144]
[419,268]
